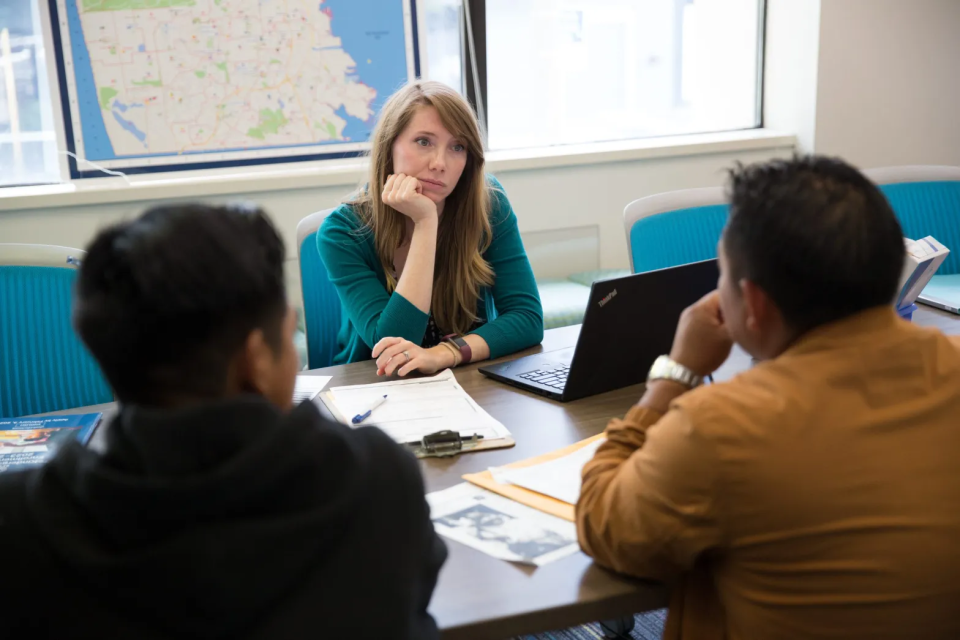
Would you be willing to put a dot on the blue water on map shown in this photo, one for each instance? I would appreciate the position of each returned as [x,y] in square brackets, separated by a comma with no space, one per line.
[129,126]
[116,104]
[356,130]
[96,142]
[371,30]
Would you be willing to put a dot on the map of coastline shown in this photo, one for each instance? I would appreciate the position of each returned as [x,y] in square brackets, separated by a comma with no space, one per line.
[180,77]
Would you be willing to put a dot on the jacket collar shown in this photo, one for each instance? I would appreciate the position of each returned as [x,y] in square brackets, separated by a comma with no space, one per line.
[866,327]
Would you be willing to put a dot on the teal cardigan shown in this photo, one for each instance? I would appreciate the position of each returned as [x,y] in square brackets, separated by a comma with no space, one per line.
[510,309]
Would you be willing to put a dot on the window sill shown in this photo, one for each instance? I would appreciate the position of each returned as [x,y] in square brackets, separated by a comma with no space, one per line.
[350,173]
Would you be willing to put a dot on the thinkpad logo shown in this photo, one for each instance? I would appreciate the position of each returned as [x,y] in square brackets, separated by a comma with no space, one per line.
[607,298]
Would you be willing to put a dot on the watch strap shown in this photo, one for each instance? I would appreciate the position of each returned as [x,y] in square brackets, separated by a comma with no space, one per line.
[664,368]
[466,353]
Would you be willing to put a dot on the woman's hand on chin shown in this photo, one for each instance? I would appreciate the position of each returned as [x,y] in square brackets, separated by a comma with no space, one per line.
[405,194]
[396,355]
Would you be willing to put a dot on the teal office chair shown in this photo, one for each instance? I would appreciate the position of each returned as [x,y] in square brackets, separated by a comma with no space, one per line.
[674,228]
[43,365]
[926,200]
[321,304]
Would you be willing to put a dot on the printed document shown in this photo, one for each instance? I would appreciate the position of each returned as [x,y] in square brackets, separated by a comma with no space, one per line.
[417,407]
[559,478]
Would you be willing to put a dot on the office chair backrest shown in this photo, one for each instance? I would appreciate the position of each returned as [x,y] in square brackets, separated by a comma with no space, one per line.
[674,228]
[321,304]
[926,200]
[43,365]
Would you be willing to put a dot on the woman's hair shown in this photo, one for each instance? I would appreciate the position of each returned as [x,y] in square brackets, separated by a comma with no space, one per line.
[464,232]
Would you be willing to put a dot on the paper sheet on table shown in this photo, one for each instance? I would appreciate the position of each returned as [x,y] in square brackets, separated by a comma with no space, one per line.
[558,478]
[308,387]
[533,499]
[500,527]
[415,408]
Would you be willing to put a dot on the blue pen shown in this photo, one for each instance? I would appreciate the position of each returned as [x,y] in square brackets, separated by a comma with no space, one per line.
[360,417]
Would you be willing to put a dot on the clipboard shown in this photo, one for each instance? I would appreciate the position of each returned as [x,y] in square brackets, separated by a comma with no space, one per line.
[432,436]
[527,497]
[434,445]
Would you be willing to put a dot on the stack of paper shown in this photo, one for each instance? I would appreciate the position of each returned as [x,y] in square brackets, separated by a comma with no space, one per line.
[550,483]
[415,408]
[308,387]
[558,478]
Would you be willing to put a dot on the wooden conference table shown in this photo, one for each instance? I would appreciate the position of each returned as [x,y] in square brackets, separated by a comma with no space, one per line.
[478,596]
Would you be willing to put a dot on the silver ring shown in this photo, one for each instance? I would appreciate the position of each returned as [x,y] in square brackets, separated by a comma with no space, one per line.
[407,354]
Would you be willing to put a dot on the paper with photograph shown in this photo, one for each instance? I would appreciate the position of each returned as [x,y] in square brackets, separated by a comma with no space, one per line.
[501,527]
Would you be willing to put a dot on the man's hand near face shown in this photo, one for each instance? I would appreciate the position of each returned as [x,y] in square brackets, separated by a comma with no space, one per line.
[701,344]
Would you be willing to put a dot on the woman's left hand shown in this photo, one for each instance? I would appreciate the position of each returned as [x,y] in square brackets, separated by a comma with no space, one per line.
[396,355]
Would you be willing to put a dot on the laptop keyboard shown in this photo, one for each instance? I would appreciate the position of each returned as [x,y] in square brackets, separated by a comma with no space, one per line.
[554,376]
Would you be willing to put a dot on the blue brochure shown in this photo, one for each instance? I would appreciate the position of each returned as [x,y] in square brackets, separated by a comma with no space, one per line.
[29,442]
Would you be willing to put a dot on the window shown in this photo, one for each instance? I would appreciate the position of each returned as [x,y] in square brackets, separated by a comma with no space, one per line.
[577,71]
[28,144]
[441,28]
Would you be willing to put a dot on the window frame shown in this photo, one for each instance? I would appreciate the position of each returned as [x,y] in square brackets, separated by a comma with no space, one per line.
[477,10]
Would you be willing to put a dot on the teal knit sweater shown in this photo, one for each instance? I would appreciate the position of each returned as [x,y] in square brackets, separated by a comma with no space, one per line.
[510,310]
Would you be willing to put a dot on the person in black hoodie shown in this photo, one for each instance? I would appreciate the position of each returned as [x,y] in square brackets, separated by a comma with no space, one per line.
[215,509]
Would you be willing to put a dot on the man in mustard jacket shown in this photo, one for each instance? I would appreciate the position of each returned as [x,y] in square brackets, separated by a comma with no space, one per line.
[816,495]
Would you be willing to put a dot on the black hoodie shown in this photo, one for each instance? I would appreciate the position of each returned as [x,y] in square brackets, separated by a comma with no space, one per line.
[231,520]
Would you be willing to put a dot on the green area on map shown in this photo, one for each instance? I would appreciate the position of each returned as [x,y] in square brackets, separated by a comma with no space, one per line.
[223,67]
[106,95]
[270,123]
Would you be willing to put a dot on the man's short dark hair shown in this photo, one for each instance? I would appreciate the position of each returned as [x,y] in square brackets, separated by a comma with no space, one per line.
[816,235]
[165,301]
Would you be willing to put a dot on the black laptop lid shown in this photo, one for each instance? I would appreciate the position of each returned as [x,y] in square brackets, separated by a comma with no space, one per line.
[629,322]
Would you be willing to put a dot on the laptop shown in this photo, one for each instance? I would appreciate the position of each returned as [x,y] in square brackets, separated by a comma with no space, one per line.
[942,292]
[629,322]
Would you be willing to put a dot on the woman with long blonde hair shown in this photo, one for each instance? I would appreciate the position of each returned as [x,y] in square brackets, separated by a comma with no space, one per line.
[427,258]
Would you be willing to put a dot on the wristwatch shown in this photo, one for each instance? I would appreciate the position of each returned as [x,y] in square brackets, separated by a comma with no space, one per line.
[466,353]
[666,369]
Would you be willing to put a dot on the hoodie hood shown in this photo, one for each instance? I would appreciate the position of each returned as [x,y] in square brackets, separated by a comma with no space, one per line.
[202,498]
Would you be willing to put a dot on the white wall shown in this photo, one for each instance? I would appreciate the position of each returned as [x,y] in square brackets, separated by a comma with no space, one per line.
[791,53]
[874,81]
[889,81]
